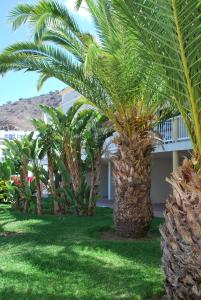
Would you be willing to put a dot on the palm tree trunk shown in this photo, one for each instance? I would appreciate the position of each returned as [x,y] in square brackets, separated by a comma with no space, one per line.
[24,183]
[132,176]
[39,196]
[73,161]
[181,234]
[56,209]
[94,183]
[91,194]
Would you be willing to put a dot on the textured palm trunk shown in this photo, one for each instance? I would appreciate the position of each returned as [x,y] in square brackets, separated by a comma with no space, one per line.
[56,209]
[39,196]
[94,184]
[73,161]
[132,176]
[24,182]
[181,235]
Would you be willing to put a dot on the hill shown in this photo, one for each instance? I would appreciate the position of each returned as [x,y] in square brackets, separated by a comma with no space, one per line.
[18,115]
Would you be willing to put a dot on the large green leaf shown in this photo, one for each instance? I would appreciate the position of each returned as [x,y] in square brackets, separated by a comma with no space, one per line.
[170,35]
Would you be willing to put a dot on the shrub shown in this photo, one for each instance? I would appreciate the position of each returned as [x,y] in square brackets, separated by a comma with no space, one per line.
[3,191]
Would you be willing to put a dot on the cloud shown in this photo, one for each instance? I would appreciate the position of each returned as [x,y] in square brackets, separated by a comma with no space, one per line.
[82,12]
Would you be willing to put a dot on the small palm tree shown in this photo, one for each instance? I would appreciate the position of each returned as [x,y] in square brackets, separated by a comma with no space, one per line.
[170,35]
[111,75]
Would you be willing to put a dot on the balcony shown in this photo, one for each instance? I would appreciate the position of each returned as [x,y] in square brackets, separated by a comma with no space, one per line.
[174,134]
[173,130]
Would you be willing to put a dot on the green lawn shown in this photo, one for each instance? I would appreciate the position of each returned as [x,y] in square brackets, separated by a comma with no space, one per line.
[64,258]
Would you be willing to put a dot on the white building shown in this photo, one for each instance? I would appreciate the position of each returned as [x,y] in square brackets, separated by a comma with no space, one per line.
[16,135]
[10,135]
[166,156]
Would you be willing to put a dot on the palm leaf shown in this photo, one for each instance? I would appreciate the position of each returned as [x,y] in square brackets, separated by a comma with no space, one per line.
[170,33]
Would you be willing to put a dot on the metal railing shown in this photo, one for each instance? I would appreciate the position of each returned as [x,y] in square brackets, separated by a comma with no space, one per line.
[173,130]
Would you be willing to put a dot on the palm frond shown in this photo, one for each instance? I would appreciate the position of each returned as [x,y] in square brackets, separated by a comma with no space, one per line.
[42,15]
[78,4]
[20,15]
[170,34]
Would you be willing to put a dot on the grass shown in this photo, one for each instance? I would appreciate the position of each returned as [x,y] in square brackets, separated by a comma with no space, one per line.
[64,258]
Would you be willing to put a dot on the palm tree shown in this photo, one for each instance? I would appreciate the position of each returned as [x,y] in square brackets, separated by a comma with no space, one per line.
[108,72]
[170,34]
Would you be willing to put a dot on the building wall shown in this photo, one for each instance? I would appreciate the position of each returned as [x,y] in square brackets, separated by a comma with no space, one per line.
[104,180]
[69,98]
[10,135]
[160,189]
[161,168]
[112,187]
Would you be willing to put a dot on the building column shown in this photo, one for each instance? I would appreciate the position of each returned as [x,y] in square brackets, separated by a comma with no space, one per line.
[175,160]
[175,129]
[109,180]
[175,133]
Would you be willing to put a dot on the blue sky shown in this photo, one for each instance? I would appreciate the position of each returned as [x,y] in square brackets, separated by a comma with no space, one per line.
[15,85]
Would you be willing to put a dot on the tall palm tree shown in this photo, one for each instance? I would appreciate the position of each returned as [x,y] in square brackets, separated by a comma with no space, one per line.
[111,75]
[170,34]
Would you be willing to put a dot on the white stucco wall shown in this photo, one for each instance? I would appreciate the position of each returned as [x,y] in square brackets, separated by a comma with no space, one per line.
[104,180]
[68,99]
[160,189]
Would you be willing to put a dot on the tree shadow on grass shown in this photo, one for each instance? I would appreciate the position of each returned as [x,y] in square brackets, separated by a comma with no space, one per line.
[71,275]
[60,260]
[12,294]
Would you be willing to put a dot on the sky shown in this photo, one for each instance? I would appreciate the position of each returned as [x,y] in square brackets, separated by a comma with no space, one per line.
[15,85]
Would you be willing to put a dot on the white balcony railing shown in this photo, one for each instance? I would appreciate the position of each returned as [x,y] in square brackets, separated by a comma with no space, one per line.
[173,130]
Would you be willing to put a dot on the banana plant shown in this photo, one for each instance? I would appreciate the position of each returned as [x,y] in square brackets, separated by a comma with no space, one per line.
[93,138]
[6,169]
[19,152]
[49,145]
[35,166]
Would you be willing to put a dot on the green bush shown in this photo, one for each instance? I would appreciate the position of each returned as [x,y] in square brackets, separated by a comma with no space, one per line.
[3,191]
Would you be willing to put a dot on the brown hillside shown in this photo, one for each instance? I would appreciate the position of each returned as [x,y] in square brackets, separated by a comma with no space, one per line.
[18,115]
